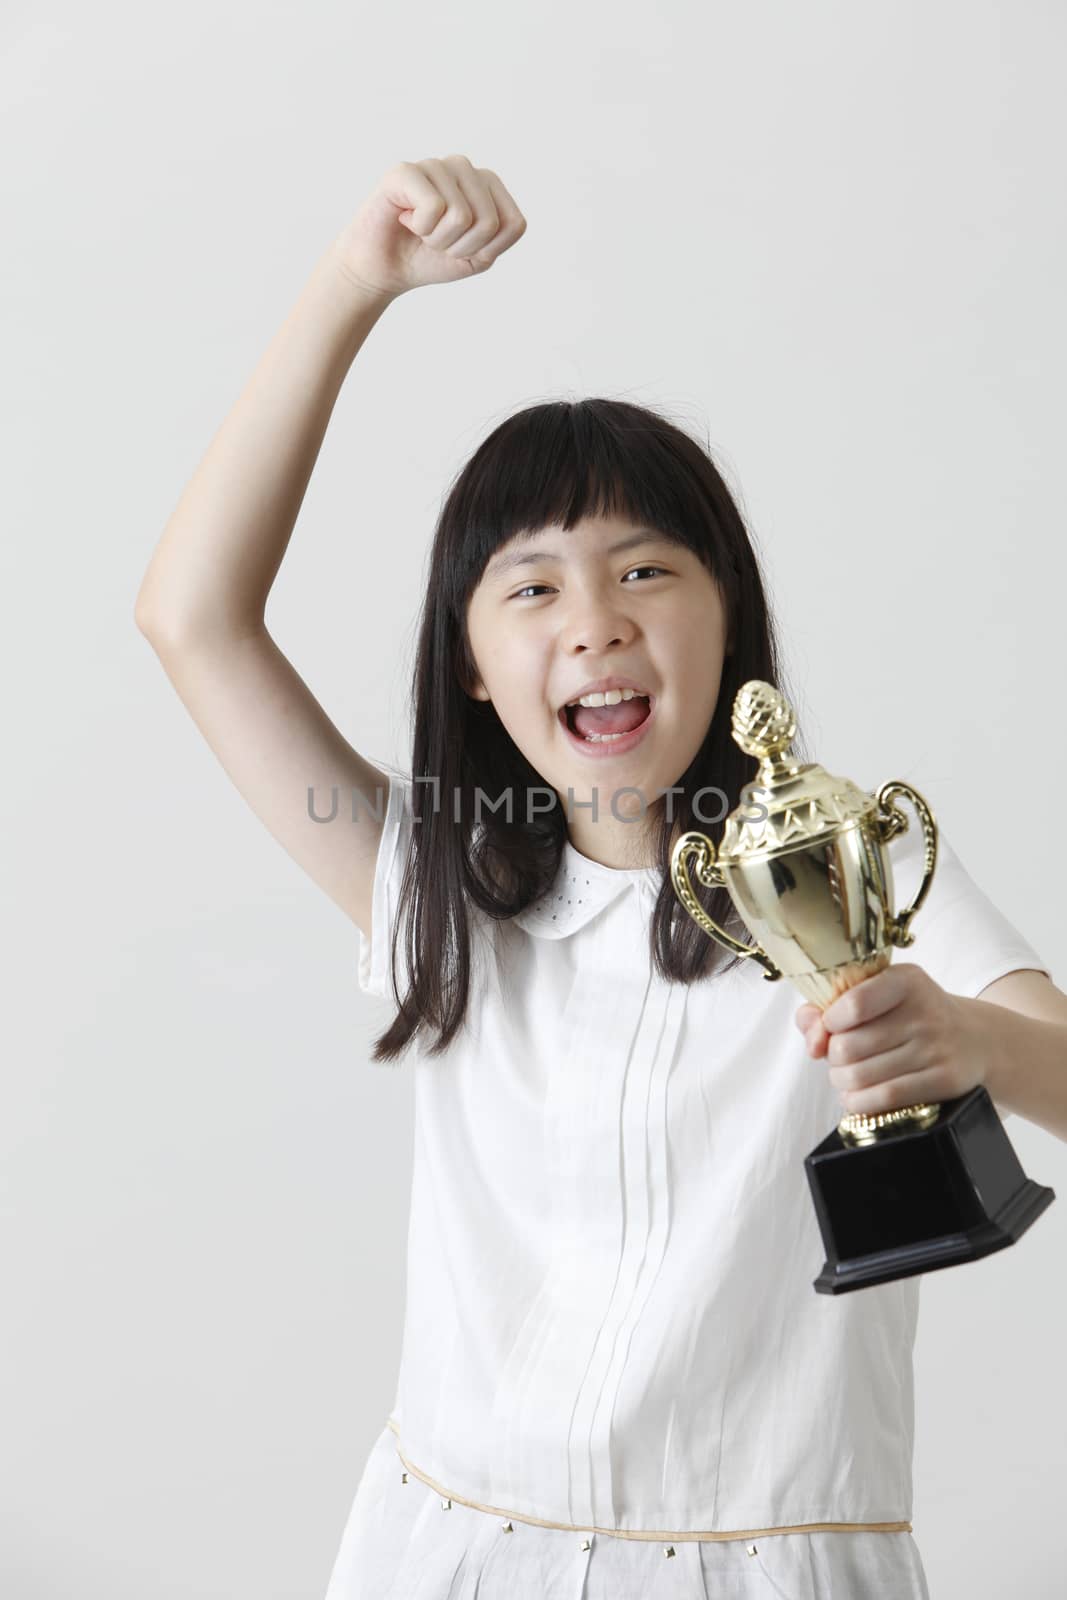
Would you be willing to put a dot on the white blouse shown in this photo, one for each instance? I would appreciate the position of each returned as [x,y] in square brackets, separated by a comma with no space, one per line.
[610,1323]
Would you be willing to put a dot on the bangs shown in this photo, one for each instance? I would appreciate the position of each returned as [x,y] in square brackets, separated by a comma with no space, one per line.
[554,465]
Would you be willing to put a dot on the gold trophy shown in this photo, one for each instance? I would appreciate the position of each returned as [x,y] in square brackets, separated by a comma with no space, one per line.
[804,859]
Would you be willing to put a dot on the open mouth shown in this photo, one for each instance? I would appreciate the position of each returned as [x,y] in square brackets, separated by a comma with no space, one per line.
[602,730]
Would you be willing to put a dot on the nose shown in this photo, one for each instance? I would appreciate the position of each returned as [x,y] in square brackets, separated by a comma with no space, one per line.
[597,619]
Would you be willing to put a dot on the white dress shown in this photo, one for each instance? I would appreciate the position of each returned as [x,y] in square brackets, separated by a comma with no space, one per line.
[616,1377]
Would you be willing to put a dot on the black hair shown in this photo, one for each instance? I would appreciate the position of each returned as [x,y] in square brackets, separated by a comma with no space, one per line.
[556,463]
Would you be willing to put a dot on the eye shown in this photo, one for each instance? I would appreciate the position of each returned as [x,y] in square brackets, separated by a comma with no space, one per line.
[646,569]
[530,587]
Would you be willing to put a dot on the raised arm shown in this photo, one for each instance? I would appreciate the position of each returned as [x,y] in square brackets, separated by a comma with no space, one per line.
[202,601]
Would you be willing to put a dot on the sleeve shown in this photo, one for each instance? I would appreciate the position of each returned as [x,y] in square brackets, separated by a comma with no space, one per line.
[961,939]
[397,823]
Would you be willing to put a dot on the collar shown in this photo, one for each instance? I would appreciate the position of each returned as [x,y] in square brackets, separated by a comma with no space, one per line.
[582,889]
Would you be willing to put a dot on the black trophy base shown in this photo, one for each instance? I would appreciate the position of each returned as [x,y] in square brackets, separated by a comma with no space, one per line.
[922,1199]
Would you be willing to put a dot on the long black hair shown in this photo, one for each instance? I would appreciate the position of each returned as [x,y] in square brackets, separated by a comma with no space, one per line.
[556,463]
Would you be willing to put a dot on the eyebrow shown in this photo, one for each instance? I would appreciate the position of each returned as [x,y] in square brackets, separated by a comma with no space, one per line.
[529,557]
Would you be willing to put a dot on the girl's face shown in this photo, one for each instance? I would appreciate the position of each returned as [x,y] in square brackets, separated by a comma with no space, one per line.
[555,611]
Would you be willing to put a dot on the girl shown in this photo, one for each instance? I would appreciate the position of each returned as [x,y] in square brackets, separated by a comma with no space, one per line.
[616,1378]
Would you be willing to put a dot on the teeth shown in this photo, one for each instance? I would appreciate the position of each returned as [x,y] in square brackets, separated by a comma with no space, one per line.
[610,698]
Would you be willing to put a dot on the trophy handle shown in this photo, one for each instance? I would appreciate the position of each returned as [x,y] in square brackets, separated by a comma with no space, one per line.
[860,1127]
[700,847]
[891,821]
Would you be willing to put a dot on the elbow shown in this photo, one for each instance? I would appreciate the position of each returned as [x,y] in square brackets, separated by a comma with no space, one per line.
[172,630]
[157,628]
[141,616]
[147,621]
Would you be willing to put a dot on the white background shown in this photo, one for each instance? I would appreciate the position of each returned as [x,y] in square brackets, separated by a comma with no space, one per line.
[830,239]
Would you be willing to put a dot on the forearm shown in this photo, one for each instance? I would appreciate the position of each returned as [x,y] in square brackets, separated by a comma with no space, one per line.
[223,544]
[1025,1063]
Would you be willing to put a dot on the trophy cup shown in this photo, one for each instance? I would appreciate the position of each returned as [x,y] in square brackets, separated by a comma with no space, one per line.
[804,859]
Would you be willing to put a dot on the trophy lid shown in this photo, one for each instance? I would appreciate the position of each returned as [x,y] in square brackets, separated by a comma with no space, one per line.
[787,803]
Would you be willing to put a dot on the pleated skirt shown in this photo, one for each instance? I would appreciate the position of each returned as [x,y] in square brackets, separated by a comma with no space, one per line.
[401,1543]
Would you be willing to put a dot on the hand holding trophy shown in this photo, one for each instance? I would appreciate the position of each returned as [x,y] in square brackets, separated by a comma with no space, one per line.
[805,861]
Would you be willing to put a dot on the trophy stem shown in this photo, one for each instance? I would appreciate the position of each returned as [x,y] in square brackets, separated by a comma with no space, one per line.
[864,1127]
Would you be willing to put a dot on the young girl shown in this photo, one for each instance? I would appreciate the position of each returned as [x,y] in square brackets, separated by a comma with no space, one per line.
[616,1377]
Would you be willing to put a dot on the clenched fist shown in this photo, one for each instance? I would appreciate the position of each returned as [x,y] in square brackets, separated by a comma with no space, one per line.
[431,221]
[896,1039]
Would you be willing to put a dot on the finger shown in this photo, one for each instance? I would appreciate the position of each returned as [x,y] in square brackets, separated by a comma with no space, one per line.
[869,998]
[512,222]
[866,1074]
[420,201]
[486,224]
[459,212]
[910,1090]
[868,1040]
